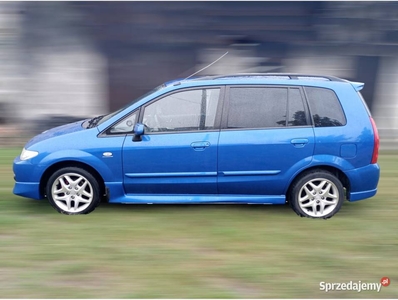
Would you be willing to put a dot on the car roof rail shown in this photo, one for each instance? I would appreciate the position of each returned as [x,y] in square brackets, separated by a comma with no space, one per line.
[293,76]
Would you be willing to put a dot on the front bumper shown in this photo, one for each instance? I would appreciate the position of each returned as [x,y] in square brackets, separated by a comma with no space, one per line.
[27,179]
[28,190]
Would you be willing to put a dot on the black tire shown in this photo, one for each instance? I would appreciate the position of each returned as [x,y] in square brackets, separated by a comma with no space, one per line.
[79,196]
[316,194]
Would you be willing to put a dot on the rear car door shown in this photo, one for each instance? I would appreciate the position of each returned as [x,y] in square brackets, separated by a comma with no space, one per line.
[266,136]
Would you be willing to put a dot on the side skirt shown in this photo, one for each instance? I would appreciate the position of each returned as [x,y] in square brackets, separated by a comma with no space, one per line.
[116,195]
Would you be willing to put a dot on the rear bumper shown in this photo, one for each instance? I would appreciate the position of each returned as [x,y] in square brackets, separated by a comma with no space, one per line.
[362,195]
[363,182]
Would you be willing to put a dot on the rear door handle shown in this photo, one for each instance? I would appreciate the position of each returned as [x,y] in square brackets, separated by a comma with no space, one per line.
[299,143]
[200,146]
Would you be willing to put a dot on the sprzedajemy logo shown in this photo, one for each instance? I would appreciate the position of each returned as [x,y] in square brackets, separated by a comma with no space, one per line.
[354,286]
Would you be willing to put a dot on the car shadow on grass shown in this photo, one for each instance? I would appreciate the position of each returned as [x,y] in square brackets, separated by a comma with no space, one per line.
[348,208]
[193,207]
[43,207]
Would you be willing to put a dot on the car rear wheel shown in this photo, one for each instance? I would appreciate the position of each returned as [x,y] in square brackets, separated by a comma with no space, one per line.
[73,191]
[318,194]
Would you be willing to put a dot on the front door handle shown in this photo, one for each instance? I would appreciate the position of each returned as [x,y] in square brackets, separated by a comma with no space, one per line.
[299,143]
[200,146]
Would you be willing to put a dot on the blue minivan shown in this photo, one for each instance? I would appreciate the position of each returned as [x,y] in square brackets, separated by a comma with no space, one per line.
[306,140]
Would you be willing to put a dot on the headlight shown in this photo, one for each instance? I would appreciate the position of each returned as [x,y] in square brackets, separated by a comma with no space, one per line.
[27,154]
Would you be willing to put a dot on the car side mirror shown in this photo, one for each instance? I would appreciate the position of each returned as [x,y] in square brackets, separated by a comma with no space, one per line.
[138,132]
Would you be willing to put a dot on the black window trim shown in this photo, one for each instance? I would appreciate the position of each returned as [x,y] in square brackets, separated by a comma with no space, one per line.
[224,120]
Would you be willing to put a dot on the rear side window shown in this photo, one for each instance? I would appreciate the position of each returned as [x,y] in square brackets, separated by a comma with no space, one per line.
[325,107]
[264,107]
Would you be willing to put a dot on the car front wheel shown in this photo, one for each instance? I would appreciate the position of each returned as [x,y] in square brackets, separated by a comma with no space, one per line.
[317,194]
[73,191]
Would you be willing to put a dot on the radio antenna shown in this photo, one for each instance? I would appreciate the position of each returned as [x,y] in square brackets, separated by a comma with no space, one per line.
[206,66]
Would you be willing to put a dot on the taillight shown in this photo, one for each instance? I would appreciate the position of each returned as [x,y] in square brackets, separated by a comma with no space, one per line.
[375,154]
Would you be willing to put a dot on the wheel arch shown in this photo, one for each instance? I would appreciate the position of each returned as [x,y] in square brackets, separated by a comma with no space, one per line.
[331,169]
[70,163]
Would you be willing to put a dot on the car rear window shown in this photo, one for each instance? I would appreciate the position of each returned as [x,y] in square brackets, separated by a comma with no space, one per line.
[325,107]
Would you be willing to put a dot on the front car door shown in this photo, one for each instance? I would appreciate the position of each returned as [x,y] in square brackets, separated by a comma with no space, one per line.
[177,153]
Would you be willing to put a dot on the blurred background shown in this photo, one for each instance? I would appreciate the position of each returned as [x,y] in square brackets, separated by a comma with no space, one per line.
[64,61]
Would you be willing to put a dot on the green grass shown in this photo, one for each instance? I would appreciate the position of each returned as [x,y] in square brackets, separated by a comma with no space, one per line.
[209,251]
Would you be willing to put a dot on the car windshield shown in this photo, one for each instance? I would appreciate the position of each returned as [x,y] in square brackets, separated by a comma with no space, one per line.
[101,119]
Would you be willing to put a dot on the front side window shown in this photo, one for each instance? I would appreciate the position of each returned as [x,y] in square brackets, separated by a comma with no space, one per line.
[126,125]
[265,107]
[325,107]
[189,110]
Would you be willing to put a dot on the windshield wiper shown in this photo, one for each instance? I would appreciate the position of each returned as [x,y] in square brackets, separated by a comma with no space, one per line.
[94,121]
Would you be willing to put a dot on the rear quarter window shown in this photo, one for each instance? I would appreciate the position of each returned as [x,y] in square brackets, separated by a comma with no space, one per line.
[325,107]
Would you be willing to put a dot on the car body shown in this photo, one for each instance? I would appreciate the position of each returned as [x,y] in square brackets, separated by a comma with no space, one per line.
[246,138]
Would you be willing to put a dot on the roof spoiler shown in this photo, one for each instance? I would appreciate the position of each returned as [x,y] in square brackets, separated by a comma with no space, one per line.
[357,85]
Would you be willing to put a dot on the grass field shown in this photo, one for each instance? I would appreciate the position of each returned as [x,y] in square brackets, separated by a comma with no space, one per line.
[210,251]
